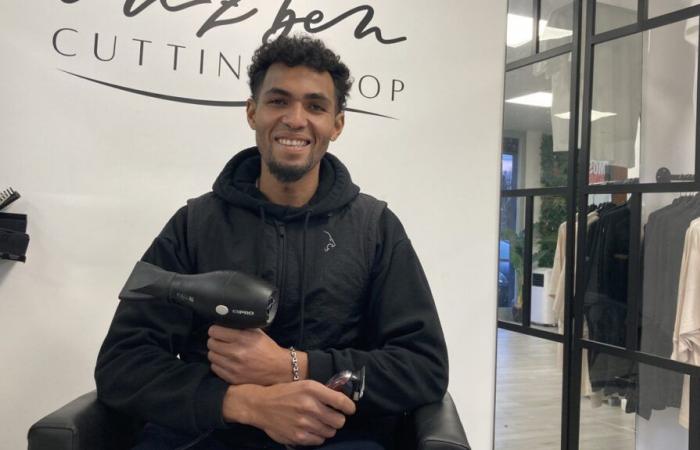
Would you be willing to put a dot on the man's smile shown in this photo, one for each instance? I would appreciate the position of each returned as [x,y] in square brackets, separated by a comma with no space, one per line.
[293,143]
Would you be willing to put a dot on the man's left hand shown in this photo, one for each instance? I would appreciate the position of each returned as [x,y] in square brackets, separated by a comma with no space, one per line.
[250,357]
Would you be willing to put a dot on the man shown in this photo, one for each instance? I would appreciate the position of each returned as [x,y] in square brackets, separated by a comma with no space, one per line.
[352,291]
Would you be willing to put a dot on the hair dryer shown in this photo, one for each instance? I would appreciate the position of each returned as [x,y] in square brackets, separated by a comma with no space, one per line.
[226,297]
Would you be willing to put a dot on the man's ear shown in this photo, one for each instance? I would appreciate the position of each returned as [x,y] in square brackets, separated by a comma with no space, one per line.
[250,106]
[338,125]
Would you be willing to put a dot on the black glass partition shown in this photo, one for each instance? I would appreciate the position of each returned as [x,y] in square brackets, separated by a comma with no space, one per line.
[598,204]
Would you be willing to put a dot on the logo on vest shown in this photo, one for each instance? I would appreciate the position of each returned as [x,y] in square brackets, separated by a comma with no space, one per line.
[330,244]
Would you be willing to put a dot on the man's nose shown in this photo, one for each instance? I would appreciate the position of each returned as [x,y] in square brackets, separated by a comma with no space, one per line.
[295,116]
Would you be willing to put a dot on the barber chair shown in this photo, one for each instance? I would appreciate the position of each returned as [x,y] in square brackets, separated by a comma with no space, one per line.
[87,424]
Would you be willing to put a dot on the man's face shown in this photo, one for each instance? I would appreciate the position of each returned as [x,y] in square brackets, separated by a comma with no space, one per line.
[294,118]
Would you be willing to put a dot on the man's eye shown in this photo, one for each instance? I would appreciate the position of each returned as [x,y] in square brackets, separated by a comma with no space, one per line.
[316,107]
[277,101]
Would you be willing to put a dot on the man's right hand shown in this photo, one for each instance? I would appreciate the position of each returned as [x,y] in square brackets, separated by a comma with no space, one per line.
[297,413]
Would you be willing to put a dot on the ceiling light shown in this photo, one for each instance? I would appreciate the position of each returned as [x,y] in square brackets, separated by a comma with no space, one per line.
[519,30]
[540,99]
[595,115]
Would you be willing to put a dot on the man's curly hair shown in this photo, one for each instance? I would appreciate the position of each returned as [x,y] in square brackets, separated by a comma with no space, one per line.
[300,51]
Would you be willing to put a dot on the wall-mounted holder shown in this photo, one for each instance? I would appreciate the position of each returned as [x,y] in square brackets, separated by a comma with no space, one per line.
[8,196]
[13,237]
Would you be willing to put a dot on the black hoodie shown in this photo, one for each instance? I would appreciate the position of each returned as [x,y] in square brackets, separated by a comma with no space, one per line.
[352,294]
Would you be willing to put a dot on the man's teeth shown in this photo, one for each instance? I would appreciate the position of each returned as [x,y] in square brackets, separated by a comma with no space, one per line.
[292,142]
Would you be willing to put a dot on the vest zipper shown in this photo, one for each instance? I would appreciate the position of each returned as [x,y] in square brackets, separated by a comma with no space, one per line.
[281,259]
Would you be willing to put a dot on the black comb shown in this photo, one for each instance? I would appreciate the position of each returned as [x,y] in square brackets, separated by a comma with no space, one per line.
[7,196]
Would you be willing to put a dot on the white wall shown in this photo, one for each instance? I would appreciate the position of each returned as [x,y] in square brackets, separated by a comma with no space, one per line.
[101,170]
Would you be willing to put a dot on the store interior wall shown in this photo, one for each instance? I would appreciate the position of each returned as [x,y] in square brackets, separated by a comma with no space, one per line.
[100,172]
[666,138]
[669,84]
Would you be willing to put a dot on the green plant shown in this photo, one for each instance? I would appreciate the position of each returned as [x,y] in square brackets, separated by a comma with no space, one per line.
[553,173]
[553,165]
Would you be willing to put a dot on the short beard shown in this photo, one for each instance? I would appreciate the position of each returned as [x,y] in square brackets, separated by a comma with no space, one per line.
[289,174]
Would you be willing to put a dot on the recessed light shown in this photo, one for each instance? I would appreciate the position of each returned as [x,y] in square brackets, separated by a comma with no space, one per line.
[595,115]
[539,99]
[520,31]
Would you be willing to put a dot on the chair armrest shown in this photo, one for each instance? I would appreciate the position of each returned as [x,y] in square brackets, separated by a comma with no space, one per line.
[438,427]
[83,424]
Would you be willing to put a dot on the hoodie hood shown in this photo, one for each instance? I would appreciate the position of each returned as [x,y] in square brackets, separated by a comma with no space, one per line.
[236,185]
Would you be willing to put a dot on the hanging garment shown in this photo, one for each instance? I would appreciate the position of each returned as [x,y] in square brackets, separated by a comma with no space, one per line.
[558,271]
[686,332]
[664,236]
[557,290]
[556,286]
[605,299]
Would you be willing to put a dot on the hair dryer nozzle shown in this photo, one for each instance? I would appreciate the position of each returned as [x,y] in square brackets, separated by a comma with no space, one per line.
[147,282]
[230,298]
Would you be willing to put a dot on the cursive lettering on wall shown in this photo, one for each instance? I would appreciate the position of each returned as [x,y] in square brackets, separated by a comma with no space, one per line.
[284,22]
[286,19]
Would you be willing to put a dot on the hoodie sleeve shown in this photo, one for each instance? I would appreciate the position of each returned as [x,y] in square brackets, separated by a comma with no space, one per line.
[138,370]
[407,365]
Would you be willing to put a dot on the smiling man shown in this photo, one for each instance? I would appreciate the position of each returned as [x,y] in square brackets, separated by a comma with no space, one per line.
[295,115]
[352,293]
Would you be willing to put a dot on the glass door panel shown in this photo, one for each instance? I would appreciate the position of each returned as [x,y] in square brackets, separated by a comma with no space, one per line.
[536,114]
[556,23]
[660,7]
[607,403]
[548,261]
[528,393]
[520,30]
[611,14]
[511,259]
[642,123]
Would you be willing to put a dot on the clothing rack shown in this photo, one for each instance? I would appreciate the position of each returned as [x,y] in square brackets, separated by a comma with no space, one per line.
[625,181]
[663,175]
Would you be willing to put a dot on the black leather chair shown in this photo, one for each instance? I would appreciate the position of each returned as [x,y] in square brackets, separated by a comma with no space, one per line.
[87,424]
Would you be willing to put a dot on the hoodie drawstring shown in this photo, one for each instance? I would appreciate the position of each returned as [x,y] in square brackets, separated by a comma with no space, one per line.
[259,242]
[302,287]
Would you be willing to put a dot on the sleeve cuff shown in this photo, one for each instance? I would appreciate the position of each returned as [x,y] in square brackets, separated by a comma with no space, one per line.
[209,404]
[320,366]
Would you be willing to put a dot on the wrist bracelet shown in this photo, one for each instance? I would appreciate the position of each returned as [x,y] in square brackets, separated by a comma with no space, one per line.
[295,364]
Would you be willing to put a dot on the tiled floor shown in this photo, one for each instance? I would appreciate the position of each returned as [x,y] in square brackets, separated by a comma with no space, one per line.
[528,402]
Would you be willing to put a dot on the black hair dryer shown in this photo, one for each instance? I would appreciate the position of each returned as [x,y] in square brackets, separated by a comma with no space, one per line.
[226,297]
